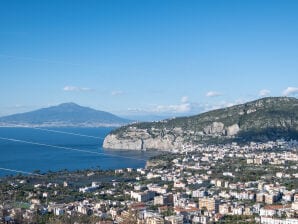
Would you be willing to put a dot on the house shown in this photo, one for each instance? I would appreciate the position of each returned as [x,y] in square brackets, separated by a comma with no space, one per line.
[270,210]
[224,209]
[59,211]
[211,204]
[200,220]
[174,219]
[270,220]
[143,196]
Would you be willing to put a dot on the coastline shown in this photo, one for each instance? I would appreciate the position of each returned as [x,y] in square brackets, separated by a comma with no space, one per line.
[27,157]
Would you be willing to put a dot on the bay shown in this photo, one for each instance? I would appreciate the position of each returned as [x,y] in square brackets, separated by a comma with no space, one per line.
[27,157]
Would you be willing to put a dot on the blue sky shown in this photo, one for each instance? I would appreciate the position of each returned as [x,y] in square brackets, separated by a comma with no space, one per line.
[146,56]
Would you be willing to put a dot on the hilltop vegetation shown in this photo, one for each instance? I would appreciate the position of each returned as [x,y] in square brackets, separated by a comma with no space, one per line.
[260,120]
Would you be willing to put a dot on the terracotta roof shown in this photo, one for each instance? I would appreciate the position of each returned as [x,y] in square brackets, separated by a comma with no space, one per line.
[189,209]
[137,205]
[276,207]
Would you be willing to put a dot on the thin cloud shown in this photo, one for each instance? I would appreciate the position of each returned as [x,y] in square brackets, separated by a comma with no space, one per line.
[184,107]
[264,92]
[184,99]
[213,94]
[290,91]
[117,93]
[223,104]
[179,108]
[76,89]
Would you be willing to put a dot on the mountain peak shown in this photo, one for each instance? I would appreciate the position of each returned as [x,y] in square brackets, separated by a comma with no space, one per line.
[65,114]
[68,104]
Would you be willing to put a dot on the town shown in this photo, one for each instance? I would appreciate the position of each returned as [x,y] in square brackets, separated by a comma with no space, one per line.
[230,183]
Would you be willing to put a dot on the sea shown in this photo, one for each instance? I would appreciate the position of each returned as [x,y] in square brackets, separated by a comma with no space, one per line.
[78,149]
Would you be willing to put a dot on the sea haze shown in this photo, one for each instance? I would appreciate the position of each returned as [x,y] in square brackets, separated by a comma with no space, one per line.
[27,157]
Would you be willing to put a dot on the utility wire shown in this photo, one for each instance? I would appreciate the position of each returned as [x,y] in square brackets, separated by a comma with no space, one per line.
[19,171]
[64,132]
[68,148]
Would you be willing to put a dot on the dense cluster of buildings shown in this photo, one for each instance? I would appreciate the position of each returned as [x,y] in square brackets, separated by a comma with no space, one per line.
[192,189]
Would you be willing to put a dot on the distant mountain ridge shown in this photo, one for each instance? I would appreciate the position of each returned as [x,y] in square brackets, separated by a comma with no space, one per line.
[64,115]
[260,120]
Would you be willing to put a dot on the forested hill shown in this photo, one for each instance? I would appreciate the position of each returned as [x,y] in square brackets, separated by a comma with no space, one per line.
[260,120]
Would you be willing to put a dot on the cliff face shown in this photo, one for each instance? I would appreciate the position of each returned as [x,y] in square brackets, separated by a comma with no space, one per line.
[264,119]
[141,139]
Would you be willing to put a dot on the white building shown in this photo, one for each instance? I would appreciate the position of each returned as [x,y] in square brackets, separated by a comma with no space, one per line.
[142,196]
[270,220]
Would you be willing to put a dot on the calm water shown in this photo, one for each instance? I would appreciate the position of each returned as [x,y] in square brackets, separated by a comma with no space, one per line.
[27,157]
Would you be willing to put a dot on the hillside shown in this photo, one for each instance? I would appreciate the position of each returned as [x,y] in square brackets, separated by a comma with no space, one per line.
[261,120]
[66,114]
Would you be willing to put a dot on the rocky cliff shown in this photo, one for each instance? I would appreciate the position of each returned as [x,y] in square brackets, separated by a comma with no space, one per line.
[260,120]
